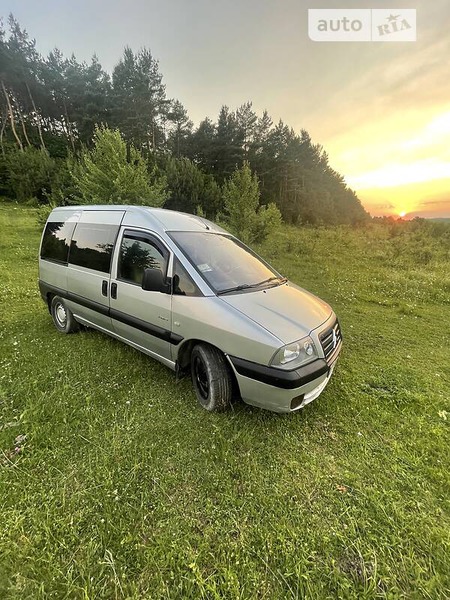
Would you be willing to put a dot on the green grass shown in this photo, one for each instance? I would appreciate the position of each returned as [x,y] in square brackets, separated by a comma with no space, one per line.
[114,483]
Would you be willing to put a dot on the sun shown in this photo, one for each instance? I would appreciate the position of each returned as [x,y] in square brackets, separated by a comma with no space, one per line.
[402,214]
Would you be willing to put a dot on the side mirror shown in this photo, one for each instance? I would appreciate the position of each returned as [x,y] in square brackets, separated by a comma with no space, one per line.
[153,281]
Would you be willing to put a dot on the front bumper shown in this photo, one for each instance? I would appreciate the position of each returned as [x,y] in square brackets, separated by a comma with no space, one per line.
[287,380]
[282,391]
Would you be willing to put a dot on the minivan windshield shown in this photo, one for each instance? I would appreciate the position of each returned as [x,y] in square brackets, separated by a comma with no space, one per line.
[224,262]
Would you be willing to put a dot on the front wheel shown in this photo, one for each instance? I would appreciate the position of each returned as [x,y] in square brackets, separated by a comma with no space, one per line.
[62,316]
[211,378]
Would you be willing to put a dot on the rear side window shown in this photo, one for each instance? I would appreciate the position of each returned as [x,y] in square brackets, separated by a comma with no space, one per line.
[136,254]
[92,246]
[56,241]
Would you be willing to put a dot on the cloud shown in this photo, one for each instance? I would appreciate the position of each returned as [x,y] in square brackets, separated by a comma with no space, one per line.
[395,174]
[384,206]
[435,202]
[395,82]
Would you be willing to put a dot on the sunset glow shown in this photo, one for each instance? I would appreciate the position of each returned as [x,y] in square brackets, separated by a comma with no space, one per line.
[381,112]
[399,173]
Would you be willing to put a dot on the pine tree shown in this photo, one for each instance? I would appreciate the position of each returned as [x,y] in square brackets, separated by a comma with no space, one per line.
[242,213]
[55,103]
[228,145]
[180,130]
[201,146]
[190,189]
[104,174]
[139,97]
[246,121]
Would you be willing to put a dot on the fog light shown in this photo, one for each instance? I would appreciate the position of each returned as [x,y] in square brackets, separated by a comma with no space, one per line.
[296,402]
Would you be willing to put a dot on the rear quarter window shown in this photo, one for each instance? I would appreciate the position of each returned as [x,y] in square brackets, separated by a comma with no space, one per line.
[182,283]
[56,241]
[92,246]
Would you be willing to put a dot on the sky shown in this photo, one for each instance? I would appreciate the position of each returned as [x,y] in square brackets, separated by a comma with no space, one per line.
[381,110]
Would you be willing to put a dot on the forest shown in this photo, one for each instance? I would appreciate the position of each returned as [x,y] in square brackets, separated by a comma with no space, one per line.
[54,108]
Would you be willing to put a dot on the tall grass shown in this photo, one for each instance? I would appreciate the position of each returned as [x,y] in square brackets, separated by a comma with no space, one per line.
[114,483]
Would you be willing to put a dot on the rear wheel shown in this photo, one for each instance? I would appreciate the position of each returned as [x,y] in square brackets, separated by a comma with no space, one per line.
[211,378]
[62,316]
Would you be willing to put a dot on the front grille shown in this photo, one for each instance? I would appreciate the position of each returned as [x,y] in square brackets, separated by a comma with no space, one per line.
[330,339]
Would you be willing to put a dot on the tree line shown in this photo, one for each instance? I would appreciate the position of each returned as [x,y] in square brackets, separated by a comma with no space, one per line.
[51,106]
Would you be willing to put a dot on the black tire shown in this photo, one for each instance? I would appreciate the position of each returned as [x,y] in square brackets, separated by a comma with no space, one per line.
[62,316]
[211,378]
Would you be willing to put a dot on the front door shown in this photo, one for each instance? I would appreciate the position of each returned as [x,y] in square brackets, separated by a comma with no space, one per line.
[140,316]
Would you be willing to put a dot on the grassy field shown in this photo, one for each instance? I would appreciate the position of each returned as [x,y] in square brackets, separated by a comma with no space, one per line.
[114,483]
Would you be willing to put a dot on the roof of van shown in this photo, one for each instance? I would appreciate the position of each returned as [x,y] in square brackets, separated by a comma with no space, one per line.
[143,216]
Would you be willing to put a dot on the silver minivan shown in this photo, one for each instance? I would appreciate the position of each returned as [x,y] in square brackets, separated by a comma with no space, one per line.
[186,292]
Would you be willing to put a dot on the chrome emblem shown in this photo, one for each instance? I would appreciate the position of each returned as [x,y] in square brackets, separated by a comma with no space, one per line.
[334,339]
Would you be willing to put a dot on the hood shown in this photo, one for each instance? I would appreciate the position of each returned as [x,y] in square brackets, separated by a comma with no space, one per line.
[287,311]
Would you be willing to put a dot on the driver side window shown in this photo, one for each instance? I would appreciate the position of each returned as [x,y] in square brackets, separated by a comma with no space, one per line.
[138,253]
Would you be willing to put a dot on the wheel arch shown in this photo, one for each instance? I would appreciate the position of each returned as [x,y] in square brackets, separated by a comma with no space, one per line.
[49,297]
[183,361]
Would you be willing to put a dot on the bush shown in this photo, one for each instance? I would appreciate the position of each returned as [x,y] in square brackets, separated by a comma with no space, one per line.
[63,188]
[268,221]
[190,188]
[242,213]
[30,173]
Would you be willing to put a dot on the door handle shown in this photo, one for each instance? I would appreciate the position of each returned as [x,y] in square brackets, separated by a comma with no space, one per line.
[114,290]
[104,288]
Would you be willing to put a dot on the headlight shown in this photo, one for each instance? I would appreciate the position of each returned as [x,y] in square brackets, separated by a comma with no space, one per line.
[295,354]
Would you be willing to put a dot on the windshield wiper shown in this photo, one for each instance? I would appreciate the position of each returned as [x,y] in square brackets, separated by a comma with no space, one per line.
[246,286]
[280,279]
[237,288]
